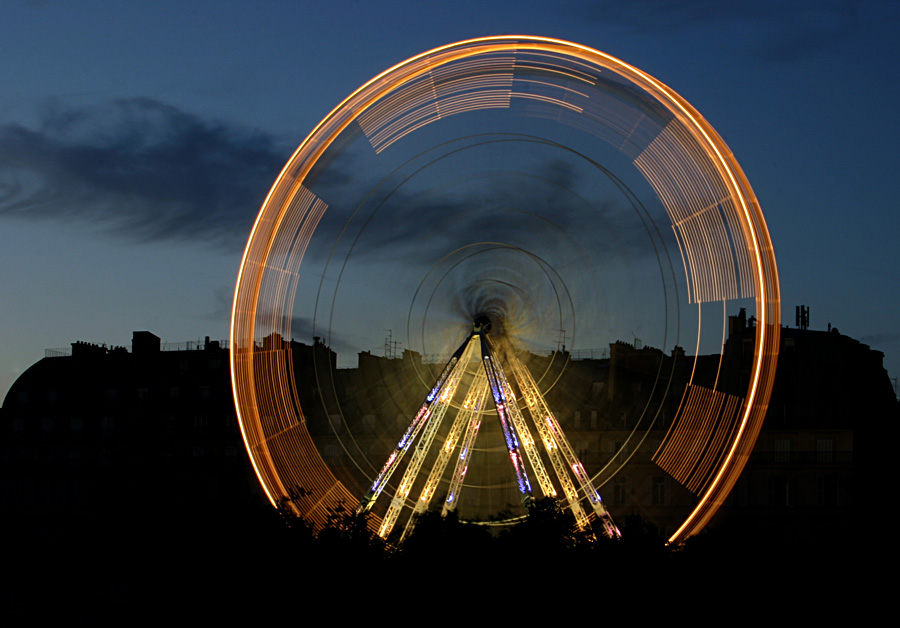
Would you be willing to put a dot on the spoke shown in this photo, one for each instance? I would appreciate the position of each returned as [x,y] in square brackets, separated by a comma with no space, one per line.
[518,421]
[471,407]
[422,418]
[488,375]
[441,404]
[497,380]
[556,443]
[535,401]
[468,444]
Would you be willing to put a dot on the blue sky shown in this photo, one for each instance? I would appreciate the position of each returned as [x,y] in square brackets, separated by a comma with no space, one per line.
[138,139]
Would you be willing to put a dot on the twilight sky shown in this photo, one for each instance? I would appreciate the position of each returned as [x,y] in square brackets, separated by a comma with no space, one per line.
[137,141]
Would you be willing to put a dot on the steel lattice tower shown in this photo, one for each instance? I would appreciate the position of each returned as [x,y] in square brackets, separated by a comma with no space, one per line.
[490,377]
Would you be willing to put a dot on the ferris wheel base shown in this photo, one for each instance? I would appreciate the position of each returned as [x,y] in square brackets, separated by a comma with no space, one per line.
[488,375]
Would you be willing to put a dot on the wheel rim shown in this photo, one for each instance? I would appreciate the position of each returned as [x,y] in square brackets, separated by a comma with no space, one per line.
[671,151]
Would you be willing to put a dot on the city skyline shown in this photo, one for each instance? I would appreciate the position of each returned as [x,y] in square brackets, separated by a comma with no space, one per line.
[132,168]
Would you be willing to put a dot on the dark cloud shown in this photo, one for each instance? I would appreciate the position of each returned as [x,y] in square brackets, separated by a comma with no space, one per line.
[304,329]
[535,211]
[343,342]
[141,169]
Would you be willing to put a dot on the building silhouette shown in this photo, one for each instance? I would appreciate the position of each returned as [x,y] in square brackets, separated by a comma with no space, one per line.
[101,429]
[817,448]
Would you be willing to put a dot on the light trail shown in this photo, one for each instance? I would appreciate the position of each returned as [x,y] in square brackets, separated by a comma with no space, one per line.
[489,377]
[467,419]
[721,233]
[435,406]
[441,404]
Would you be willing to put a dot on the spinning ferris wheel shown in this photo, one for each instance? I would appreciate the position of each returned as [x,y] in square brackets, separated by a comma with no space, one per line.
[507,206]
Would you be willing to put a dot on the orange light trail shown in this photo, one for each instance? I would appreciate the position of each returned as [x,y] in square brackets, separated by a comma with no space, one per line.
[719,227]
[698,436]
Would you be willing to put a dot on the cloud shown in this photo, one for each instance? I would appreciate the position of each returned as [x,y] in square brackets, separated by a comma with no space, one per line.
[147,171]
[540,211]
[140,169]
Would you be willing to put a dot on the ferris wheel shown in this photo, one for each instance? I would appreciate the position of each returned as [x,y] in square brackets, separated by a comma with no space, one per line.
[555,244]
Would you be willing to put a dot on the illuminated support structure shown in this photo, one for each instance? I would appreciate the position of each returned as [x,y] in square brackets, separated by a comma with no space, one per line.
[556,443]
[432,421]
[421,418]
[468,444]
[506,407]
[466,419]
[488,376]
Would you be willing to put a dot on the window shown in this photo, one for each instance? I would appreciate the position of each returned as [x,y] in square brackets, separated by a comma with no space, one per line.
[782,450]
[659,490]
[781,492]
[824,450]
